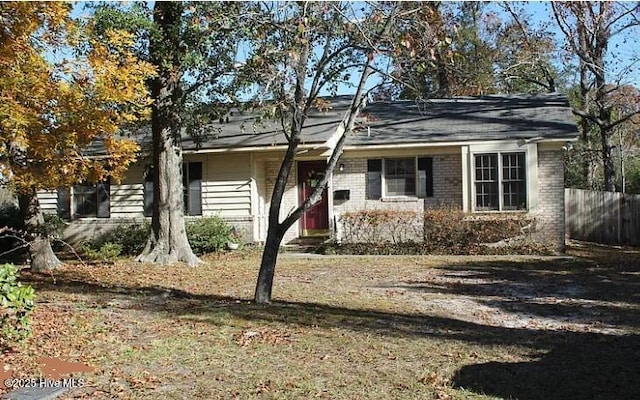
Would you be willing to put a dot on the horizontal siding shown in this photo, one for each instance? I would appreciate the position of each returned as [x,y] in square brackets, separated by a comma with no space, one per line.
[127,202]
[127,198]
[48,201]
[226,187]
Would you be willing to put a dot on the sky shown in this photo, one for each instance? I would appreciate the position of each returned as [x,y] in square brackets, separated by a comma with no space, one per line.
[624,48]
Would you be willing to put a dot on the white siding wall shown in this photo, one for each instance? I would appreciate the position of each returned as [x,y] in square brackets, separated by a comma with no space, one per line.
[127,197]
[48,201]
[226,185]
[262,196]
[290,198]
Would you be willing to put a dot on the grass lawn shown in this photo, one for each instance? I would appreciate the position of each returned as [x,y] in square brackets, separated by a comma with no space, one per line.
[346,328]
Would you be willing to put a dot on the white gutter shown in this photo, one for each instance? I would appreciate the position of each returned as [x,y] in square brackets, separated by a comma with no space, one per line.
[252,148]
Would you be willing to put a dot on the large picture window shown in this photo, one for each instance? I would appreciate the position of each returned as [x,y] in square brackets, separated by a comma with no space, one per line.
[500,181]
[411,177]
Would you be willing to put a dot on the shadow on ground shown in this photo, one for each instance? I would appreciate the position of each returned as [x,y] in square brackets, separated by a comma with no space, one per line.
[567,365]
[580,367]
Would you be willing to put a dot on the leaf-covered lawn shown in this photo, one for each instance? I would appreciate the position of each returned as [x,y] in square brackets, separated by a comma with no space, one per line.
[346,328]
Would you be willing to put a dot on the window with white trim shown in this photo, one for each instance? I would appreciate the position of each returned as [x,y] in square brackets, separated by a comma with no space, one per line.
[85,200]
[500,181]
[412,177]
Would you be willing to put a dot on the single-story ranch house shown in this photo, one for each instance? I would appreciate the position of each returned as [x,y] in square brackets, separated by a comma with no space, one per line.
[486,155]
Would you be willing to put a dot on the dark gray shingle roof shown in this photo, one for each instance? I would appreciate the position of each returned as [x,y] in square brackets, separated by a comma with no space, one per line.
[469,119]
[462,119]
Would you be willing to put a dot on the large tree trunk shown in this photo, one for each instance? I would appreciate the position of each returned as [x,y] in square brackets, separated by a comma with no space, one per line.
[42,256]
[168,242]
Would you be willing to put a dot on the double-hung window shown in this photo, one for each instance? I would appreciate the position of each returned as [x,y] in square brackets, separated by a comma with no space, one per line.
[394,177]
[192,186]
[85,200]
[500,181]
[191,189]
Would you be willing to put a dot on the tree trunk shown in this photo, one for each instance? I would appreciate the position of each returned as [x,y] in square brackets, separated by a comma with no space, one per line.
[168,242]
[42,256]
[609,171]
[264,285]
[275,231]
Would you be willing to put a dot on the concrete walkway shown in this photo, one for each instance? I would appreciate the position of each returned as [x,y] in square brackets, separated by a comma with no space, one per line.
[44,393]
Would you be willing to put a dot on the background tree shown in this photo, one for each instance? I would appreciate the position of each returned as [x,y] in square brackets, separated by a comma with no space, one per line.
[50,113]
[472,48]
[445,49]
[424,58]
[526,54]
[588,29]
[193,46]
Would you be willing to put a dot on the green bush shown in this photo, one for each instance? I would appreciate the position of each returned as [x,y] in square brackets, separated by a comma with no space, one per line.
[10,216]
[205,235]
[209,235]
[53,226]
[17,302]
[130,238]
[12,249]
[107,252]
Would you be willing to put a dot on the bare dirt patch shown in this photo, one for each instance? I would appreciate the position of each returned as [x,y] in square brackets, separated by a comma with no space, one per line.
[493,296]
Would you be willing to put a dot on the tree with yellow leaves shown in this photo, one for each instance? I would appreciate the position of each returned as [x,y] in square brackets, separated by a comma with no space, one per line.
[51,112]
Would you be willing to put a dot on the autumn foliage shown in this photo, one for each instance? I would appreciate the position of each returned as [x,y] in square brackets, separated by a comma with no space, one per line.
[63,88]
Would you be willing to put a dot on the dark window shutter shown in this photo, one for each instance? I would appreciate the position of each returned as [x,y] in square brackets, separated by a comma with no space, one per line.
[148,193]
[425,176]
[64,203]
[104,207]
[192,179]
[374,179]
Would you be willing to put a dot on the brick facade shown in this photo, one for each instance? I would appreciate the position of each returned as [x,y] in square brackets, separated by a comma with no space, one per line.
[550,214]
[447,188]
[447,191]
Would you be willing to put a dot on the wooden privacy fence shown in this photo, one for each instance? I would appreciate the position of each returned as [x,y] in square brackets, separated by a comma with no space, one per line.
[602,217]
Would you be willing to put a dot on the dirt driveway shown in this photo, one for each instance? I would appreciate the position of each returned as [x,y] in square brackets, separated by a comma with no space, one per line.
[599,294]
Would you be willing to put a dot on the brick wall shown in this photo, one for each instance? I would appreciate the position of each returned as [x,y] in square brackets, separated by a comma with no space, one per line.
[550,214]
[447,187]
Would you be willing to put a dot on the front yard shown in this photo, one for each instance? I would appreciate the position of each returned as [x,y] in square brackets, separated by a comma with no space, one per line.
[346,328]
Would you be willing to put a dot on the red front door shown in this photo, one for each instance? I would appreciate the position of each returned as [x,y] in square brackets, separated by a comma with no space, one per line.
[315,221]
